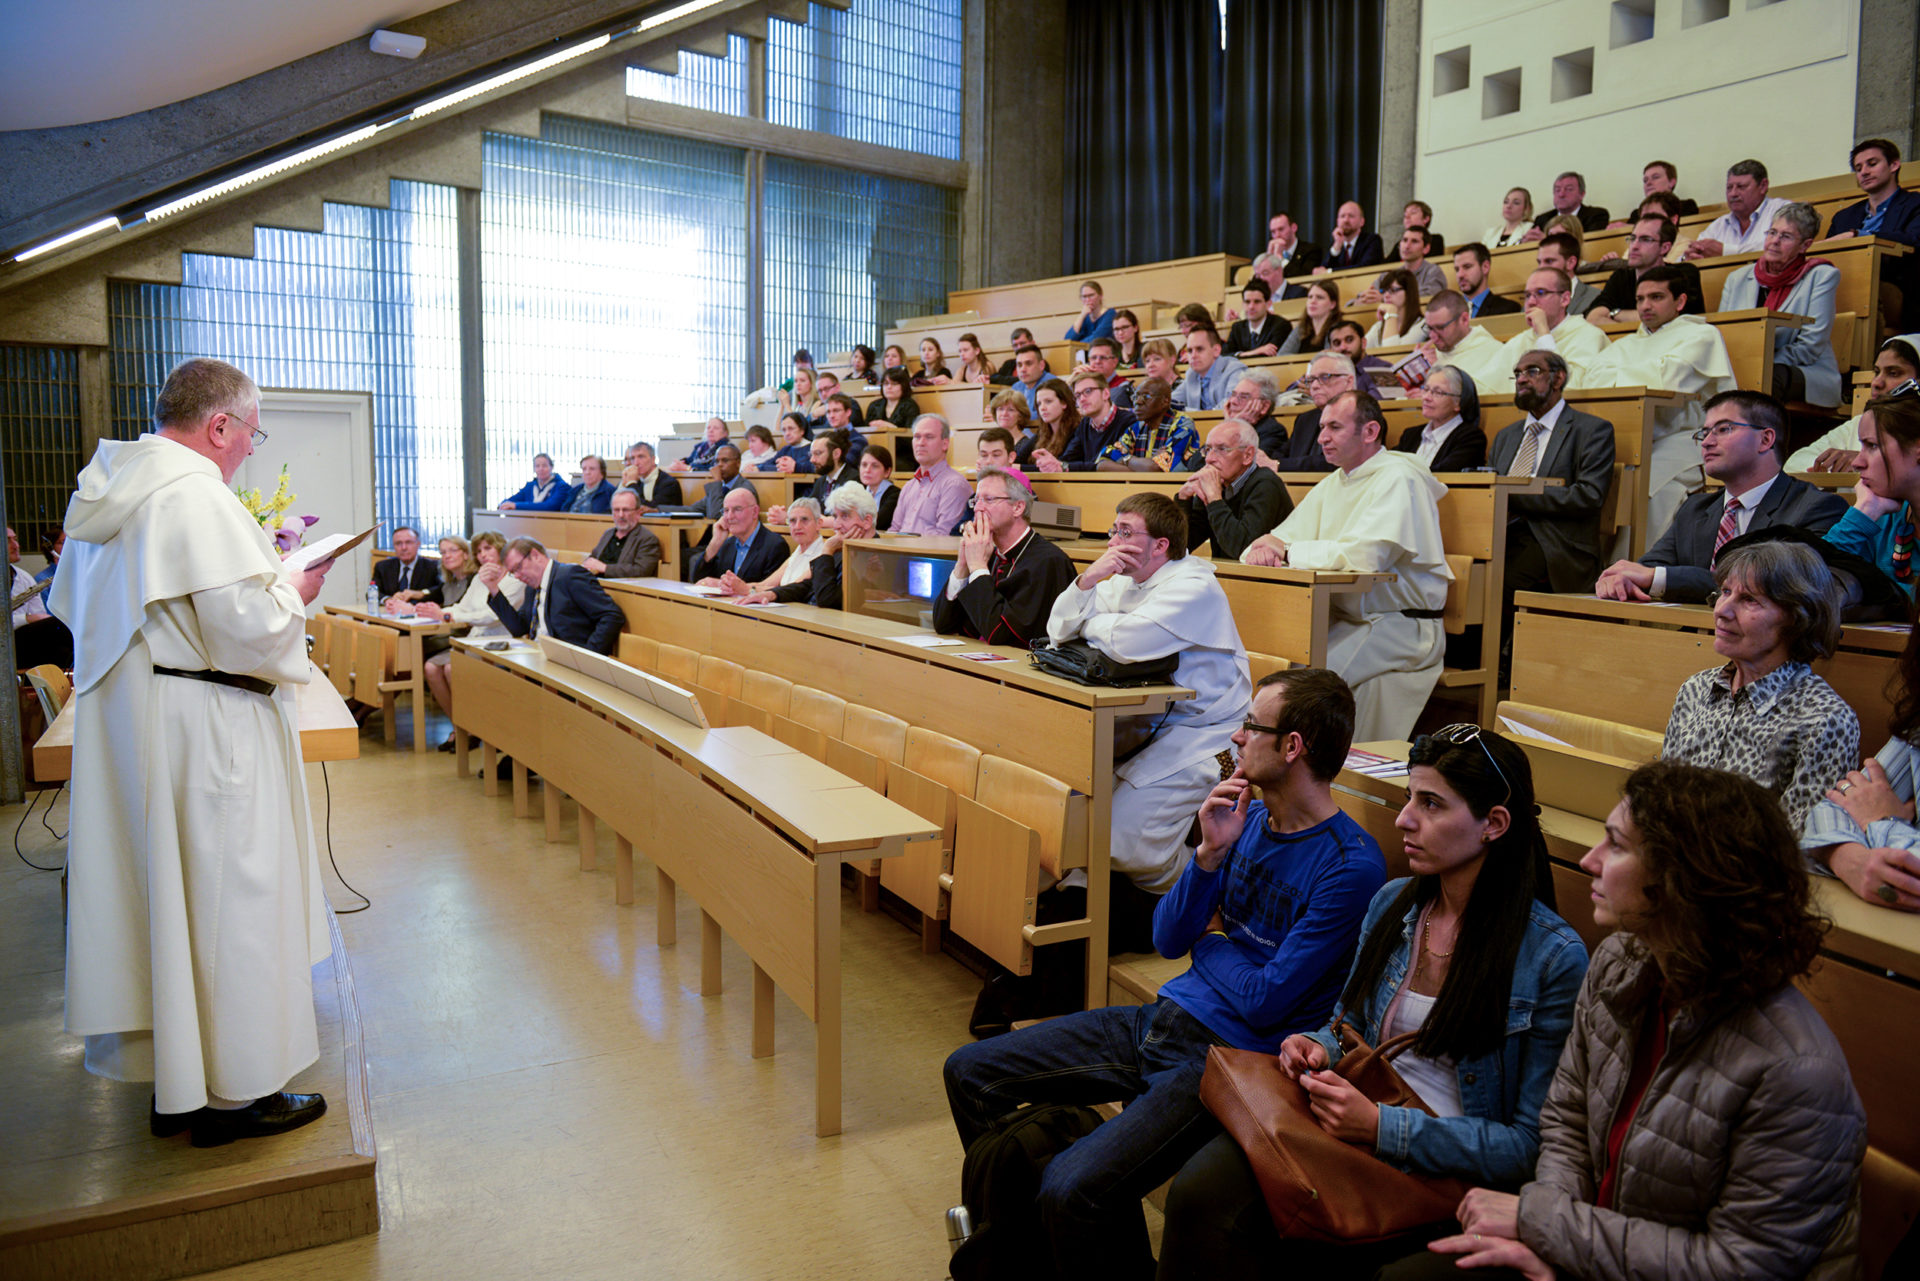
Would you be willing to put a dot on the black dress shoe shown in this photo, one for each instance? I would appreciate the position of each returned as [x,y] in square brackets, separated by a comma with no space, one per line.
[164,1125]
[447,746]
[274,1114]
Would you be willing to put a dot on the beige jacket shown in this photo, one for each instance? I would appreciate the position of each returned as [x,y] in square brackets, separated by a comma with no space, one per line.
[1744,1158]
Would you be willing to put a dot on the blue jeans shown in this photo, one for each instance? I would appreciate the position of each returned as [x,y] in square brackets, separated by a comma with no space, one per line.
[1149,1057]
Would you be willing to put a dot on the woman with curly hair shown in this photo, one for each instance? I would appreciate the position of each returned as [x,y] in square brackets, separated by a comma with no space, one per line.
[1702,1122]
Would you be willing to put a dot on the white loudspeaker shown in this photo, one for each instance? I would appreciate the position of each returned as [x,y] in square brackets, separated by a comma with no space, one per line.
[396,45]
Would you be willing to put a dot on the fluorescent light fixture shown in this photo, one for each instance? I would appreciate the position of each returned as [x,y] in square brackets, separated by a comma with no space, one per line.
[508,77]
[678,11]
[108,223]
[252,176]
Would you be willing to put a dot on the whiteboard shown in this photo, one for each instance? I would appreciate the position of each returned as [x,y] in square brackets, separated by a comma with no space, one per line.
[325,439]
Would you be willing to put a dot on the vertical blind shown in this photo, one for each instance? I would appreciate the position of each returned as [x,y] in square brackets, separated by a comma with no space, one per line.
[39,436]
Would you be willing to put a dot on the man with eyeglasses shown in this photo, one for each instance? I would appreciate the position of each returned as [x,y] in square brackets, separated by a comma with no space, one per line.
[1378,513]
[1453,339]
[1672,351]
[1553,326]
[1006,576]
[1101,424]
[1562,252]
[1161,438]
[1103,358]
[196,905]
[1232,500]
[1648,245]
[1211,376]
[1741,447]
[1328,375]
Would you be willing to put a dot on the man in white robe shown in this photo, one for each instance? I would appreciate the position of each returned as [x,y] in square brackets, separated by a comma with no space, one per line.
[1377,513]
[1453,339]
[196,909]
[1145,598]
[1673,352]
[1552,325]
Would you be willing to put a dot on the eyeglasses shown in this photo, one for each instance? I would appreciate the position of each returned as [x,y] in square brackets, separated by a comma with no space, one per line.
[259,437]
[1211,450]
[1251,726]
[987,500]
[1544,293]
[1123,531]
[1086,393]
[1314,380]
[1719,431]
[1460,736]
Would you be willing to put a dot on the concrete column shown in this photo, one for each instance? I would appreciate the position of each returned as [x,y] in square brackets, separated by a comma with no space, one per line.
[473,362]
[1399,109]
[1884,102]
[1012,217]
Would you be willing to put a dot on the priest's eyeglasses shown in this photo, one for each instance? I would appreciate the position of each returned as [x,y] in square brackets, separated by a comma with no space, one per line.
[1460,736]
[1720,430]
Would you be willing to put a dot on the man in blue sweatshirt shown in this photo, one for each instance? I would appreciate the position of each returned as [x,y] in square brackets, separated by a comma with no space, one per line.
[1269,910]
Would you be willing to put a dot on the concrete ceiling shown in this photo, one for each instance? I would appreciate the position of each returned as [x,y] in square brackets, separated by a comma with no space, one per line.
[77,61]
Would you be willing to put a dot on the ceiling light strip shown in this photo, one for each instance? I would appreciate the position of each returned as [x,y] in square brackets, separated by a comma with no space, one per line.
[677,12]
[108,223]
[508,77]
[252,176]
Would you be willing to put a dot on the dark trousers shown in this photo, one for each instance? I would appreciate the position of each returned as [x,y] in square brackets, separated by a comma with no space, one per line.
[1526,571]
[1058,982]
[1149,1057]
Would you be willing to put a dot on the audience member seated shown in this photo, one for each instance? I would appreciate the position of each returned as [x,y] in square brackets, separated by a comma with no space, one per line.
[1648,244]
[1096,318]
[1232,500]
[1742,229]
[1263,332]
[1569,201]
[653,486]
[933,365]
[803,523]
[1398,318]
[1019,338]
[1328,375]
[1126,333]
[1323,309]
[1670,351]
[1454,340]
[1561,250]
[1666,205]
[594,493]
[1346,338]
[831,461]
[626,550]
[471,611]
[1863,830]
[893,356]
[1101,424]
[1351,244]
[1473,272]
[739,544]
[1160,438]
[1008,410]
[402,578]
[1286,255]
[852,510]
[1006,576]
[876,476]
[1418,213]
[843,416]
[1785,279]
[1480,880]
[1211,377]
[1516,219]
[1739,447]
[51,546]
[1029,372]
[1160,357]
[1553,537]
[726,479]
[1252,402]
[1553,325]
[563,601]
[1765,714]
[931,503]
[1415,245]
[1193,316]
[1058,421]
[796,450]
[1377,513]
[1879,525]
[1897,361]
[1452,438]
[829,388]
[38,635]
[800,397]
[457,568]
[1103,358]
[760,452]
[1890,213]
[1702,1121]
[1659,179]
[975,369]
[894,406]
[864,366]
[802,364]
[546,492]
[1282,883]
[994,448]
[700,457]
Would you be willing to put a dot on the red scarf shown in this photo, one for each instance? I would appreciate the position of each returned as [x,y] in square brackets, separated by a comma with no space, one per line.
[1779,285]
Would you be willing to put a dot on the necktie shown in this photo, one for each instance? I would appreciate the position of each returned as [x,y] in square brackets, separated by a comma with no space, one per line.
[406,575]
[533,609]
[1729,526]
[1529,456]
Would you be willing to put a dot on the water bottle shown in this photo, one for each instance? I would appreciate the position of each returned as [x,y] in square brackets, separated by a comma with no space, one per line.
[373,598]
[959,1227]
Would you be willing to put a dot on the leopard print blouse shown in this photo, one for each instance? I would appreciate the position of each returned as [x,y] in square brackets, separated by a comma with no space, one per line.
[1788,731]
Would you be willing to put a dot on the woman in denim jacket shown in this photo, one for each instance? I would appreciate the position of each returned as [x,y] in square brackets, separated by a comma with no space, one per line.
[1473,841]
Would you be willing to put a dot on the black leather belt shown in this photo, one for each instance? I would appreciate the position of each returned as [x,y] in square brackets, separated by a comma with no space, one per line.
[252,684]
[1424,613]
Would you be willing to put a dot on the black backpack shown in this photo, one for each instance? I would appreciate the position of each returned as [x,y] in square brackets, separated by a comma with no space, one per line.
[1000,1185]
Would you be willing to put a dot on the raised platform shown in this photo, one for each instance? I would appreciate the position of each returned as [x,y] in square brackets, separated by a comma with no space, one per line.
[86,1192]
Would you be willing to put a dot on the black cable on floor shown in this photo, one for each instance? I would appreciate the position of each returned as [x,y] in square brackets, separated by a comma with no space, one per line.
[21,826]
[365,902]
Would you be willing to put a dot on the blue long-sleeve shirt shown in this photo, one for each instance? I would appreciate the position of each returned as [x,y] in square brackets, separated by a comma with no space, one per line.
[1292,905]
[559,494]
[1100,326]
[1873,540]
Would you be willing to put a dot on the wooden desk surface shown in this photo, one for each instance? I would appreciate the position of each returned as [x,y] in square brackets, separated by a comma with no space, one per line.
[1182,278]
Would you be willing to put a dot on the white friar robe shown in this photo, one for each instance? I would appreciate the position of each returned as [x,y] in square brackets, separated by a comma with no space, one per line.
[1686,355]
[1381,517]
[1578,342]
[1180,609]
[1483,358]
[196,910]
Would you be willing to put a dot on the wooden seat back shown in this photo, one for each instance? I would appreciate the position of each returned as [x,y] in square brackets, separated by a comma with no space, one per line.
[770,693]
[722,675]
[818,710]
[373,659]
[344,635]
[1263,665]
[642,652]
[679,665]
[1045,804]
[934,774]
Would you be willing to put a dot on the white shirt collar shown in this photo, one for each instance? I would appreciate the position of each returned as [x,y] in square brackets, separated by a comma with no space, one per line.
[1434,435]
[1551,418]
[1752,498]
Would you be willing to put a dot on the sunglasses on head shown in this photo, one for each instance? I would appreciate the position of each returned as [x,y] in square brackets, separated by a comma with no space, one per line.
[1463,734]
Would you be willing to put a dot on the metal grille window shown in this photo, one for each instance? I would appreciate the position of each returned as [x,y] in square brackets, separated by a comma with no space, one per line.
[40,437]
[614,263]
[709,83]
[882,71]
[849,254]
[371,303]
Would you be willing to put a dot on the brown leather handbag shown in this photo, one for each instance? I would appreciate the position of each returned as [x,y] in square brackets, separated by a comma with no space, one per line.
[1316,1186]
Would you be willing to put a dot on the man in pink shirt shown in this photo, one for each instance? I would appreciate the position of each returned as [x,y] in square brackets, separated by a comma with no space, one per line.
[932,502]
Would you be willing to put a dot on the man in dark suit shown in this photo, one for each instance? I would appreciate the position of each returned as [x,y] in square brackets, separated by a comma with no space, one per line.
[1473,271]
[1299,257]
[626,550]
[726,479]
[1232,500]
[651,483]
[406,574]
[1264,329]
[1895,215]
[1328,374]
[740,543]
[1741,446]
[1351,244]
[1569,199]
[562,601]
[1553,538]
[1648,244]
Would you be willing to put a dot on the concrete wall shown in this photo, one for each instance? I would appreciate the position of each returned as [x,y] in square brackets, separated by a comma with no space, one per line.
[1017,87]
